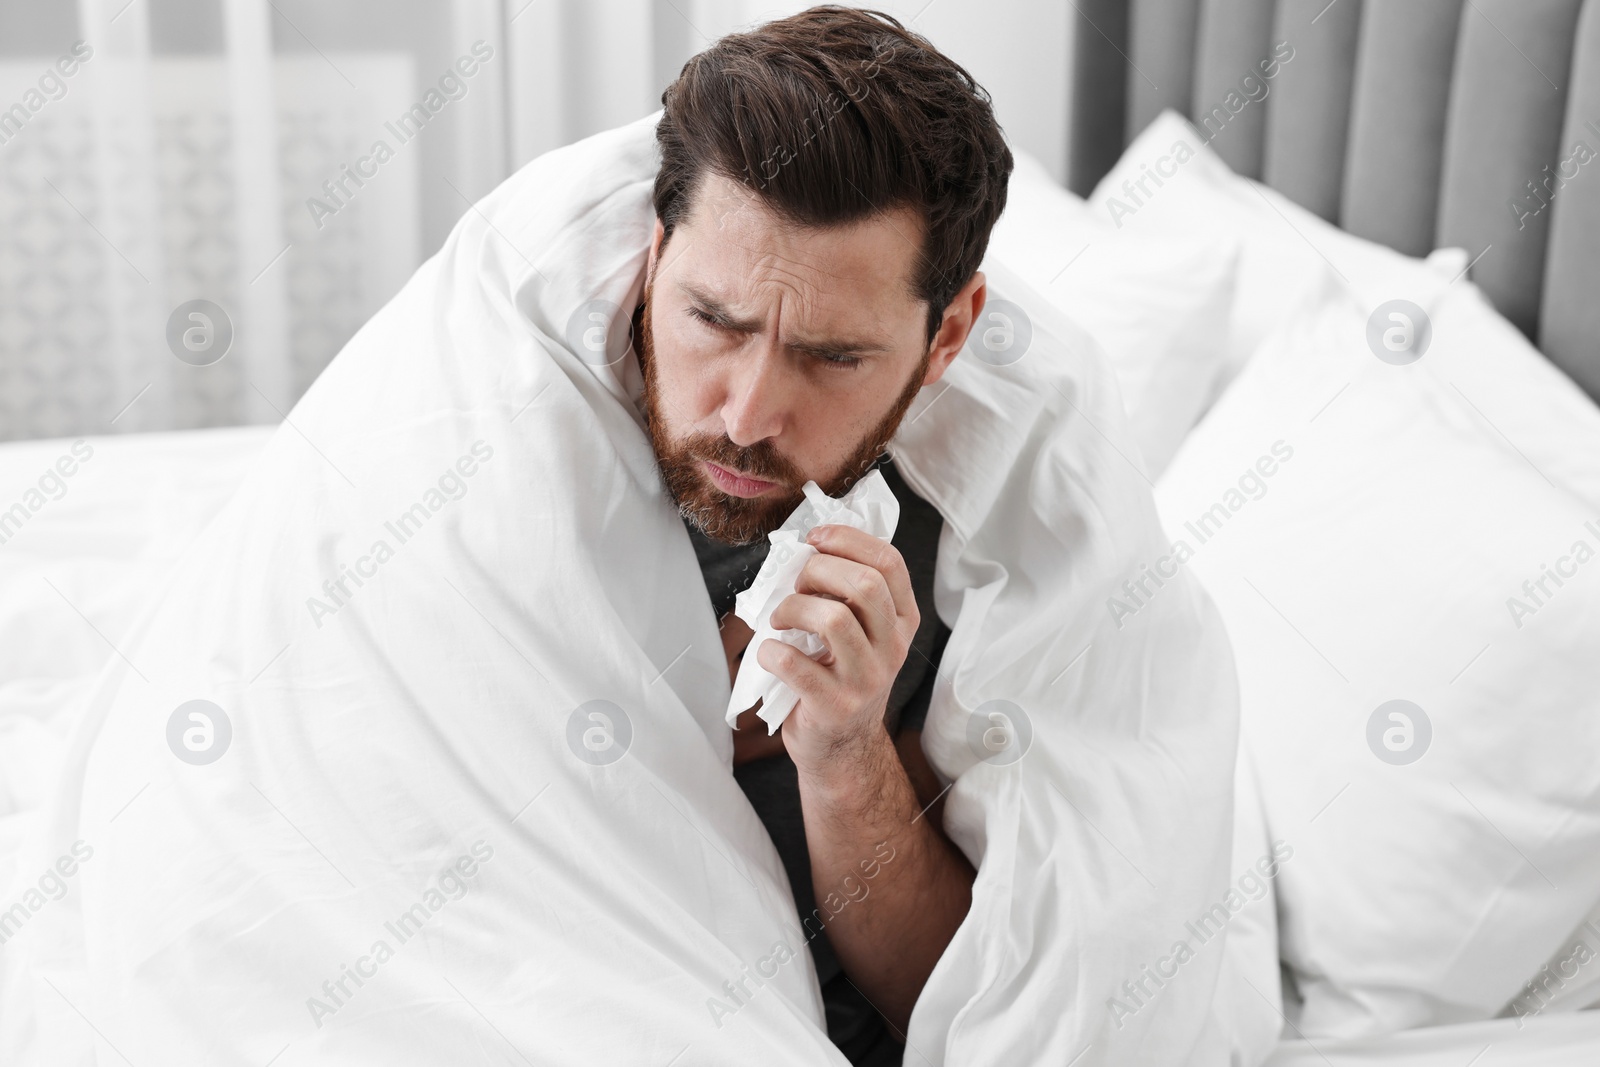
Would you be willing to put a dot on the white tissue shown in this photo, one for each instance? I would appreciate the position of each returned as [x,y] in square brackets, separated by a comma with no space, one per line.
[870,505]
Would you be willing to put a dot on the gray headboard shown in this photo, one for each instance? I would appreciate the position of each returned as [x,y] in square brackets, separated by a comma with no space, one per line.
[1417,123]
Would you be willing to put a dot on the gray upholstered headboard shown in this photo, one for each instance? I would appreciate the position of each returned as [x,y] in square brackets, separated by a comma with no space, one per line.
[1417,123]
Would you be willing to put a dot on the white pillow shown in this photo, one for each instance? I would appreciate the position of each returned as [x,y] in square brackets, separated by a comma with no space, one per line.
[1368,526]
[1169,183]
[1158,306]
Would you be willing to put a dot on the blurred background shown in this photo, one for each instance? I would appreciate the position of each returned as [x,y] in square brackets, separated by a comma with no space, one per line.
[174,169]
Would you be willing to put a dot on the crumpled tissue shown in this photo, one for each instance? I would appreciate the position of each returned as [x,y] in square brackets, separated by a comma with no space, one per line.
[870,505]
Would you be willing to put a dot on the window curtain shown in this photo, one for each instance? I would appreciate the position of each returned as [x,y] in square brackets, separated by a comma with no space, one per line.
[198,216]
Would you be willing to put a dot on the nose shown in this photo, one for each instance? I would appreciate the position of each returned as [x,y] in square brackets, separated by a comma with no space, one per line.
[755,408]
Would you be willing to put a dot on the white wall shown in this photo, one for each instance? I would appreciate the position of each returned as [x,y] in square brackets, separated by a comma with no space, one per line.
[1016,49]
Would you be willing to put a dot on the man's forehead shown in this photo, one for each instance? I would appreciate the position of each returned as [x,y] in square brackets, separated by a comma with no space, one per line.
[735,230]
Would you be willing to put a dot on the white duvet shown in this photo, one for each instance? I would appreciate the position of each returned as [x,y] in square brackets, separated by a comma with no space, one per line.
[460,789]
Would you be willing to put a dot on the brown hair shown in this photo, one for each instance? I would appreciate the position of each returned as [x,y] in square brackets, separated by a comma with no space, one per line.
[834,114]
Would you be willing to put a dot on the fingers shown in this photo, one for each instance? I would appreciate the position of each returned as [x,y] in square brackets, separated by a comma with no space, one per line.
[864,589]
[855,594]
[832,620]
[808,678]
[847,542]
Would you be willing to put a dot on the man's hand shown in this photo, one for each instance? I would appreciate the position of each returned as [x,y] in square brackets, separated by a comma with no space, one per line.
[858,802]
[855,594]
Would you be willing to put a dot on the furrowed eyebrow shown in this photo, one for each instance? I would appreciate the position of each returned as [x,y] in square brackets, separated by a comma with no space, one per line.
[726,318]
[718,310]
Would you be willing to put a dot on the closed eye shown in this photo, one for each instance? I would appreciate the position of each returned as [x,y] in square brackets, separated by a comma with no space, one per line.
[832,359]
[701,316]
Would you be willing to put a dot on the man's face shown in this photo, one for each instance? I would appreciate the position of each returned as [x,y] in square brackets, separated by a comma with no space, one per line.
[773,355]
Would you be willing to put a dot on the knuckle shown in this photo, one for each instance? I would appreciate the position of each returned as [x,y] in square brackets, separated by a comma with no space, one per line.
[906,635]
[807,578]
[877,581]
[886,600]
[780,614]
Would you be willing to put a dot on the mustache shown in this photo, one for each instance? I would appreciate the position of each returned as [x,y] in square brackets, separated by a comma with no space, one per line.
[760,460]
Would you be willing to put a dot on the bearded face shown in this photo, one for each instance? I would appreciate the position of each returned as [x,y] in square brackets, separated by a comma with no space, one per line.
[744,511]
[773,355]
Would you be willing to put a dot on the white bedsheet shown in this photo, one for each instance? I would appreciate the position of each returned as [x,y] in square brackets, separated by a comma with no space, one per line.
[107,537]
[100,535]
[76,565]
[1568,1040]
[413,745]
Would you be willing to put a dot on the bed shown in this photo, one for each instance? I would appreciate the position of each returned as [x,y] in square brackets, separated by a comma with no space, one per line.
[1235,300]
[1418,125]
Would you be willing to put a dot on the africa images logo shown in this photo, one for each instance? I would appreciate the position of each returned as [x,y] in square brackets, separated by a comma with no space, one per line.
[450,486]
[451,883]
[1250,887]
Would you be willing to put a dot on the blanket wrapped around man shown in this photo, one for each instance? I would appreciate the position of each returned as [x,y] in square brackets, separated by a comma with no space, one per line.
[421,756]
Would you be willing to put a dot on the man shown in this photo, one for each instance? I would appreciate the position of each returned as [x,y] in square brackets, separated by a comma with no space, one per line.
[466,783]
[827,188]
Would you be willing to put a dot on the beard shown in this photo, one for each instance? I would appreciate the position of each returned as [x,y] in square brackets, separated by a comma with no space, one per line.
[746,520]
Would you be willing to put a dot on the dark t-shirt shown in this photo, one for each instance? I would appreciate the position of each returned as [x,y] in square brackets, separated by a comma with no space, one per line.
[772,784]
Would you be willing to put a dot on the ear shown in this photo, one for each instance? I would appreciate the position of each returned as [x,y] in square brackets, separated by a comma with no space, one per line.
[959,319]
